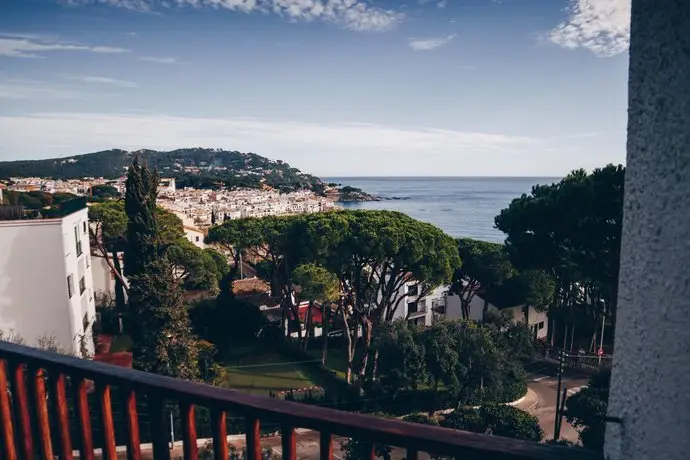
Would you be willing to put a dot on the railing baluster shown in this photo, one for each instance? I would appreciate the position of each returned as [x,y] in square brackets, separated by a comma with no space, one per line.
[412,454]
[368,451]
[220,435]
[132,425]
[6,426]
[159,430]
[43,422]
[82,400]
[109,448]
[62,412]
[21,407]
[326,446]
[253,438]
[289,442]
[189,431]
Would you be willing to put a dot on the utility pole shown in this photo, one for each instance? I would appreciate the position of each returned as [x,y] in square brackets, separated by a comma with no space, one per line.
[559,420]
[556,428]
[600,351]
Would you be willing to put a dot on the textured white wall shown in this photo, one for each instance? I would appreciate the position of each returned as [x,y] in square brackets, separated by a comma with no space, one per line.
[651,364]
[36,257]
[81,304]
[33,280]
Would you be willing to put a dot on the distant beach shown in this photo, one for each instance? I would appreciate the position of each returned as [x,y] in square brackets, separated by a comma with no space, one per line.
[461,206]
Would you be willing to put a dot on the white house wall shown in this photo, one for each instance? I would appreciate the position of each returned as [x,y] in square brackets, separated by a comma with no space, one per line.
[36,257]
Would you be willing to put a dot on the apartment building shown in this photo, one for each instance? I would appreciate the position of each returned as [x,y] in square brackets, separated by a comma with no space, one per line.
[46,287]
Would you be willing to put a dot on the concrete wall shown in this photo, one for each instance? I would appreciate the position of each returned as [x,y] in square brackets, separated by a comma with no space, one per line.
[82,304]
[651,366]
[36,258]
[103,281]
[195,236]
[538,321]
[33,281]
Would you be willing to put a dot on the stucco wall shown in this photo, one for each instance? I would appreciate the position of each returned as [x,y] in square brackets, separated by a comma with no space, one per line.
[33,281]
[36,257]
[651,367]
[82,305]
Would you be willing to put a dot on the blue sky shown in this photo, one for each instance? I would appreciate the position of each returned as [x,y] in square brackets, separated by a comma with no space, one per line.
[334,87]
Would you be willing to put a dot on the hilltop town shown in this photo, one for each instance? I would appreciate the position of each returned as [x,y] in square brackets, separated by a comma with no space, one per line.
[198,208]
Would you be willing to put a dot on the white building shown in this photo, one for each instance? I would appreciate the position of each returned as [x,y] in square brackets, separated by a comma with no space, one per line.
[195,236]
[419,311]
[46,287]
[103,277]
[537,321]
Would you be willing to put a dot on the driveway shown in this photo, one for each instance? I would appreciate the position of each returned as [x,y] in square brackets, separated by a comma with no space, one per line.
[543,380]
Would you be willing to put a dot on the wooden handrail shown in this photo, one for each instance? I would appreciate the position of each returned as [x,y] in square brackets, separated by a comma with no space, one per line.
[369,429]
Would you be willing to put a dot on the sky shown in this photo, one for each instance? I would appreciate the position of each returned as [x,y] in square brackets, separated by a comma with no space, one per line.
[333,87]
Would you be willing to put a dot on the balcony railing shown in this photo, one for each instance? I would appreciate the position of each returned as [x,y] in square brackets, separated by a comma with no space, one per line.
[31,380]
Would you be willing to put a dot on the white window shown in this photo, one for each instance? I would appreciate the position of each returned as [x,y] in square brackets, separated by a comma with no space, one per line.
[82,285]
[541,325]
[77,240]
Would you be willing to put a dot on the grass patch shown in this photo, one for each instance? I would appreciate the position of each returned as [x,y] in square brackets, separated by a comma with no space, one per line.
[336,360]
[259,372]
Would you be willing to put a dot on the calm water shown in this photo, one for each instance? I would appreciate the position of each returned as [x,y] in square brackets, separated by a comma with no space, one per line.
[461,206]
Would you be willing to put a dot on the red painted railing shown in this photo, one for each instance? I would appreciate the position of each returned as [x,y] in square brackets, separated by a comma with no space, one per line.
[28,375]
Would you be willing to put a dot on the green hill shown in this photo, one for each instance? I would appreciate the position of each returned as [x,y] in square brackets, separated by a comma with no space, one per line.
[197,167]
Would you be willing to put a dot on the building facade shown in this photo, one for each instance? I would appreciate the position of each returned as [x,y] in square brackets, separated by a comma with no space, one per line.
[46,287]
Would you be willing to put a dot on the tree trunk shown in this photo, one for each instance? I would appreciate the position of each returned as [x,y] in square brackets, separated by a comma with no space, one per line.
[367,325]
[119,288]
[572,338]
[565,336]
[349,344]
[375,366]
[324,334]
[308,327]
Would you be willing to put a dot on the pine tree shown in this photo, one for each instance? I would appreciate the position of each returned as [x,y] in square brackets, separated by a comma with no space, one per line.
[160,327]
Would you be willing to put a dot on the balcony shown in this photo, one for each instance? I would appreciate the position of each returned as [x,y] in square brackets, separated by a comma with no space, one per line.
[34,384]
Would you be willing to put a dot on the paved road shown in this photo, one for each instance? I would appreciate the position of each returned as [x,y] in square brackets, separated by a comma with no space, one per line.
[542,379]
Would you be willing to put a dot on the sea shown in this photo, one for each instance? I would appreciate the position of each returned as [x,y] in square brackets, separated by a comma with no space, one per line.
[460,206]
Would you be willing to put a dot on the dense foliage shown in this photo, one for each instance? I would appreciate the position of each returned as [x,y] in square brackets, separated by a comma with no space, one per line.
[496,419]
[587,408]
[161,333]
[373,255]
[35,199]
[206,168]
[570,230]
[477,362]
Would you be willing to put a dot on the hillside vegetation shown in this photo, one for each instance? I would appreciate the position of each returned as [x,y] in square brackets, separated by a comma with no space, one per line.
[197,167]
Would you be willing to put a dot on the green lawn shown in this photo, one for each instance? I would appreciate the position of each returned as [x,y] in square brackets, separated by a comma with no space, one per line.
[259,373]
[336,360]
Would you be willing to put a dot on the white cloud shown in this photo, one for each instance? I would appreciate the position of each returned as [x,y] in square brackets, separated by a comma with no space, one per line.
[159,60]
[34,46]
[21,90]
[104,81]
[357,15]
[426,44]
[601,26]
[389,146]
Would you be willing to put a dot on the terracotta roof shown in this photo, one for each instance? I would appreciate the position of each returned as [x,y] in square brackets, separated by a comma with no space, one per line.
[193,229]
[250,286]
